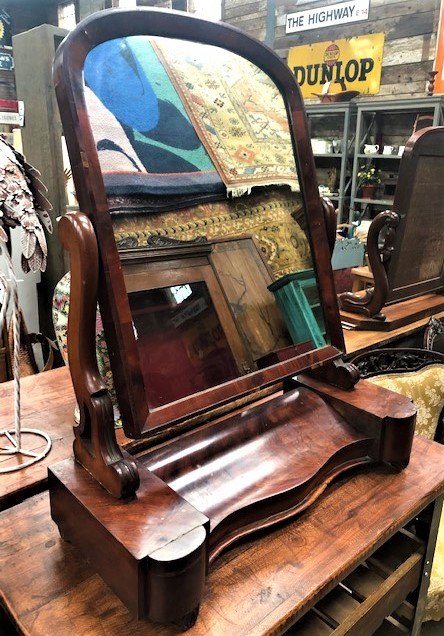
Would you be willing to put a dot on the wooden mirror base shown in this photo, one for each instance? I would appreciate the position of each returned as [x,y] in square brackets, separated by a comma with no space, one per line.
[220,482]
[398,314]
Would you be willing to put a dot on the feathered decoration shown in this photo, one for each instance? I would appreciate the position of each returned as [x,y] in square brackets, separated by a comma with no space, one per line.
[23,202]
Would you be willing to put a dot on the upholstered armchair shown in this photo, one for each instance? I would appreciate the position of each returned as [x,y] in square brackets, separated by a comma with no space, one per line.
[418,374]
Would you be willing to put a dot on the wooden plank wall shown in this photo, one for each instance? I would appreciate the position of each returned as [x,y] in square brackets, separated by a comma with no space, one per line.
[410,28]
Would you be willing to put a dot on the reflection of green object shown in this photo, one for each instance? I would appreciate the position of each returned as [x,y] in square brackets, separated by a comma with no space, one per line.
[298,299]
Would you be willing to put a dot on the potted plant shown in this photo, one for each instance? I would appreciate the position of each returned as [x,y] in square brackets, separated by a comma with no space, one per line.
[368,180]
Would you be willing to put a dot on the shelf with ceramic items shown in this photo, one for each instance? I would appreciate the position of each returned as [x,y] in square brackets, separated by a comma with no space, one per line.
[380,156]
[382,131]
[332,134]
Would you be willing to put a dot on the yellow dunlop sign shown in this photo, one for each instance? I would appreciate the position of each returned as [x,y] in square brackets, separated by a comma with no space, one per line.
[355,61]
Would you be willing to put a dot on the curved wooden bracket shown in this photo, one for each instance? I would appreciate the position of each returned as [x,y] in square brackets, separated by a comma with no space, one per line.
[331,219]
[95,445]
[343,375]
[373,300]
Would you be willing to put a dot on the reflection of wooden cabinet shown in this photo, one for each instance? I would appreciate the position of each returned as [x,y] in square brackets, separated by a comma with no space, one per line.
[389,124]
[335,124]
[201,313]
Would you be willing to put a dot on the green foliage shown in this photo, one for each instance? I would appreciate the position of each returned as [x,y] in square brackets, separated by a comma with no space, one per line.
[369,175]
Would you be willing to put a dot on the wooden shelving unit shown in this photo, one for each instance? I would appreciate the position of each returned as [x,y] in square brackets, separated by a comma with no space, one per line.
[335,121]
[392,123]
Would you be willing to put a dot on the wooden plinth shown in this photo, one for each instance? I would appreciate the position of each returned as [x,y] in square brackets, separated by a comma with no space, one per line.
[216,484]
[125,539]
[399,314]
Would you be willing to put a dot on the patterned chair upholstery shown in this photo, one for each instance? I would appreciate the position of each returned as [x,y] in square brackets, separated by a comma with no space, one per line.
[418,374]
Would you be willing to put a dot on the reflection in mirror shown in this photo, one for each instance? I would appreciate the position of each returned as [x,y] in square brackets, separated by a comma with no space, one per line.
[182,346]
[199,171]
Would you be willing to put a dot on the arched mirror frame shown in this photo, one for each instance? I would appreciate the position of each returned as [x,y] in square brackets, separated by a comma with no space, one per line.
[113,299]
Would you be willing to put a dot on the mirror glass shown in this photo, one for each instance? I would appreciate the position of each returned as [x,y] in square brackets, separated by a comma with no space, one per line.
[200,176]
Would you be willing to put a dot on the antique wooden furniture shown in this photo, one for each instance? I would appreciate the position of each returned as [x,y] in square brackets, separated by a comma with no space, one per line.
[406,245]
[411,335]
[346,558]
[434,335]
[418,374]
[362,277]
[218,464]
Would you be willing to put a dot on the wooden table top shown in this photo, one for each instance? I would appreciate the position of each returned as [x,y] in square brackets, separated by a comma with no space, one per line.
[358,341]
[261,587]
[47,404]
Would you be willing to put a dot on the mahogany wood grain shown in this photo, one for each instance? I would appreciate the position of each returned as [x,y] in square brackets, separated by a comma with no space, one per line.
[357,341]
[47,404]
[398,314]
[385,415]
[245,473]
[262,587]
[151,549]
[95,445]
[273,451]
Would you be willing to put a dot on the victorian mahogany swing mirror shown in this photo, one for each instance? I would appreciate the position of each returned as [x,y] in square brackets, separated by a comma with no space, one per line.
[203,237]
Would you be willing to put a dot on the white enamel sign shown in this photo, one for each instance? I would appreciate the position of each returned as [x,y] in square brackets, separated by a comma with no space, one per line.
[327,16]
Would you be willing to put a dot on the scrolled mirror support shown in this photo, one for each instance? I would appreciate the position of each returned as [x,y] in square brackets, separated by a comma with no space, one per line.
[95,444]
[373,300]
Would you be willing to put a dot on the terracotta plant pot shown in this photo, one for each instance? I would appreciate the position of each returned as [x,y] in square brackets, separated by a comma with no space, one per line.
[368,191]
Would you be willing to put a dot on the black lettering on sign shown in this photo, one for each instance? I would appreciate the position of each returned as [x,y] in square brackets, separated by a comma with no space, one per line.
[351,70]
[299,74]
[367,65]
[321,73]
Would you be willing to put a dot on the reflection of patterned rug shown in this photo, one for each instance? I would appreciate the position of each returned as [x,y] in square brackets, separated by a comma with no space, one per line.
[184,118]
[237,112]
[145,140]
[266,216]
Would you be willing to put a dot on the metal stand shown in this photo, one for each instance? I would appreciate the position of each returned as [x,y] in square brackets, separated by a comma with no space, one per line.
[16,447]
[15,437]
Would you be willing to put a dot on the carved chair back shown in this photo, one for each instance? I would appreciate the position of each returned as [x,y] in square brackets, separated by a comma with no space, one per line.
[405,245]
[434,335]
[416,373]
